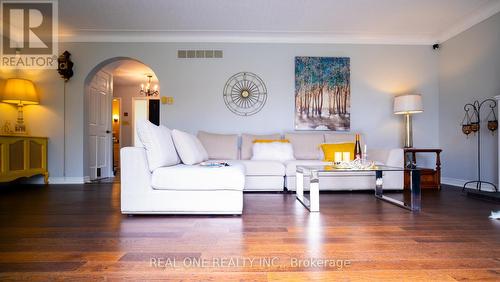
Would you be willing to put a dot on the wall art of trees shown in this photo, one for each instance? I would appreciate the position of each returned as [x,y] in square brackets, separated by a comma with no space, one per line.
[322,93]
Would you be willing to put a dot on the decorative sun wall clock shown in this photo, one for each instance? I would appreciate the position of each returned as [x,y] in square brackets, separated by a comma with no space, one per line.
[245,94]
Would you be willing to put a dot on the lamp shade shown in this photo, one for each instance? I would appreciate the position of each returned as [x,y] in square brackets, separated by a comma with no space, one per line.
[408,104]
[19,91]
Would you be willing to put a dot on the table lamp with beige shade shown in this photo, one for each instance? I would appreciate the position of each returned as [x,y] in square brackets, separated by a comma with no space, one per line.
[408,105]
[21,92]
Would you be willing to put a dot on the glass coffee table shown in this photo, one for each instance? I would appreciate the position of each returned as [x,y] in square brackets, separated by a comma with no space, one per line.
[316,172]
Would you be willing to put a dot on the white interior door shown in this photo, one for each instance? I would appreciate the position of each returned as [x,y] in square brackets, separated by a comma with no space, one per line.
[99,126]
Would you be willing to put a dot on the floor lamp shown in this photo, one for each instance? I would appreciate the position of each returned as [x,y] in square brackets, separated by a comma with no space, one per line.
[408,105]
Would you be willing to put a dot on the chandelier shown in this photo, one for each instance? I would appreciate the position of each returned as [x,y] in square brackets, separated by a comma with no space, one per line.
[146,89]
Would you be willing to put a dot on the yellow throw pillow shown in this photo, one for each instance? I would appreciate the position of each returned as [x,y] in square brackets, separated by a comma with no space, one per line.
[270,140]
[329,150]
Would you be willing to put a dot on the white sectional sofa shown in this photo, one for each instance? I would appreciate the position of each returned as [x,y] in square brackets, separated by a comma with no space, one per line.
[154,180]
[162,176]
[276,176]
[179,189]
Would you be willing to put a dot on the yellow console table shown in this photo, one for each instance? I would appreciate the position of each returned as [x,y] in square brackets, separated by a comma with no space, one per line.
[22,156]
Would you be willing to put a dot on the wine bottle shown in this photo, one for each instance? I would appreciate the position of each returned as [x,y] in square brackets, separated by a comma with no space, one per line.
[357,149]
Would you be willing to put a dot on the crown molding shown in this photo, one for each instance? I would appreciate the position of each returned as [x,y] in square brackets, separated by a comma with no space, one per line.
[242,37]
[470,21]
[223,36]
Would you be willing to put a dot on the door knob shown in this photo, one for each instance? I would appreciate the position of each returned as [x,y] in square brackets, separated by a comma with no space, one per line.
[108,132]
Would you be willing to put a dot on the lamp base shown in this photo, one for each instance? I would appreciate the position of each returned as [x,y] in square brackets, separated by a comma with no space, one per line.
[20,127]
[408,132]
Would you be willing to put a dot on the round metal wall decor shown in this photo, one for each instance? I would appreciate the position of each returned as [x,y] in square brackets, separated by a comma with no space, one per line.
[245,94]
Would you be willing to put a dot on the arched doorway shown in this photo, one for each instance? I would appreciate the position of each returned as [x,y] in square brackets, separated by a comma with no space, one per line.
[113,101]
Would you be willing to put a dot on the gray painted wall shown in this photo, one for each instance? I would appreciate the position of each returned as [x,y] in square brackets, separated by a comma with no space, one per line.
[469,69]
[378,73]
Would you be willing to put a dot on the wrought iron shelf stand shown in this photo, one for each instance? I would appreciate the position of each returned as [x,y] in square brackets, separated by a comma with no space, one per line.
[475,127]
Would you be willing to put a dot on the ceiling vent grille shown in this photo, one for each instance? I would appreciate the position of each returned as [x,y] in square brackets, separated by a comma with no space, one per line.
[199,54]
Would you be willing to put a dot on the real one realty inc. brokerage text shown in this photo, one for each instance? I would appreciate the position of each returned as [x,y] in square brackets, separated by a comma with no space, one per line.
[228,262]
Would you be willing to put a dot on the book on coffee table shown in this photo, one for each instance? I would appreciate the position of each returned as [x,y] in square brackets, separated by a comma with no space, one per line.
[214,164]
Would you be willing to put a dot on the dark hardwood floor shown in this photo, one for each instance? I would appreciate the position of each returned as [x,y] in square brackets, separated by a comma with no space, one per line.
[76,232]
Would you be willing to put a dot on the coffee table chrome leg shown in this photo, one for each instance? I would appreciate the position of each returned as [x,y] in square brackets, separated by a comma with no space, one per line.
[312,204]
[299,194]
[379,181]
[414,204]
[299,185]
[415,190]
[314,191]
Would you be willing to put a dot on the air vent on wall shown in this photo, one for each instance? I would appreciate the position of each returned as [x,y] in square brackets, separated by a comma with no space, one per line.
[199,54]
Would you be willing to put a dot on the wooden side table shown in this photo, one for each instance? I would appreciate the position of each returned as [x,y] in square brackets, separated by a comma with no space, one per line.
[23,156]
[429,178]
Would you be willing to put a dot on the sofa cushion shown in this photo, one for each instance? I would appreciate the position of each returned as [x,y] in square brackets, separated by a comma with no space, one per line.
[157,140]
[247,143]
[306,146]
[196,177]
[190,149]
[379,155]
[261,168]
[273,151]
[219,146]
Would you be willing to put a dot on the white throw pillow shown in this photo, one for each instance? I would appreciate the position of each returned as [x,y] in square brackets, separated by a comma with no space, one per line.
[274,151]
[247,143]
[189,147]
[157,141]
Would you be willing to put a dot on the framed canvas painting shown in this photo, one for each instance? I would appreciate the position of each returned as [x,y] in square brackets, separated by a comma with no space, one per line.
[322,93]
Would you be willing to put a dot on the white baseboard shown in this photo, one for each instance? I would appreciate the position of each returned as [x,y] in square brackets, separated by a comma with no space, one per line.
[38,179]
[459,183]
[66,180]
[453,181]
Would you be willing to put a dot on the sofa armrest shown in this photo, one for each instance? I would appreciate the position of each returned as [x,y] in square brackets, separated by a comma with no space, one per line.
[393,179]
[134,170]
[395,158]
[389,157]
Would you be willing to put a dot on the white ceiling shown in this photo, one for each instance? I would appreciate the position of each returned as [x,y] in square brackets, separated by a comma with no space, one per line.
[130,72]
[308,21]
